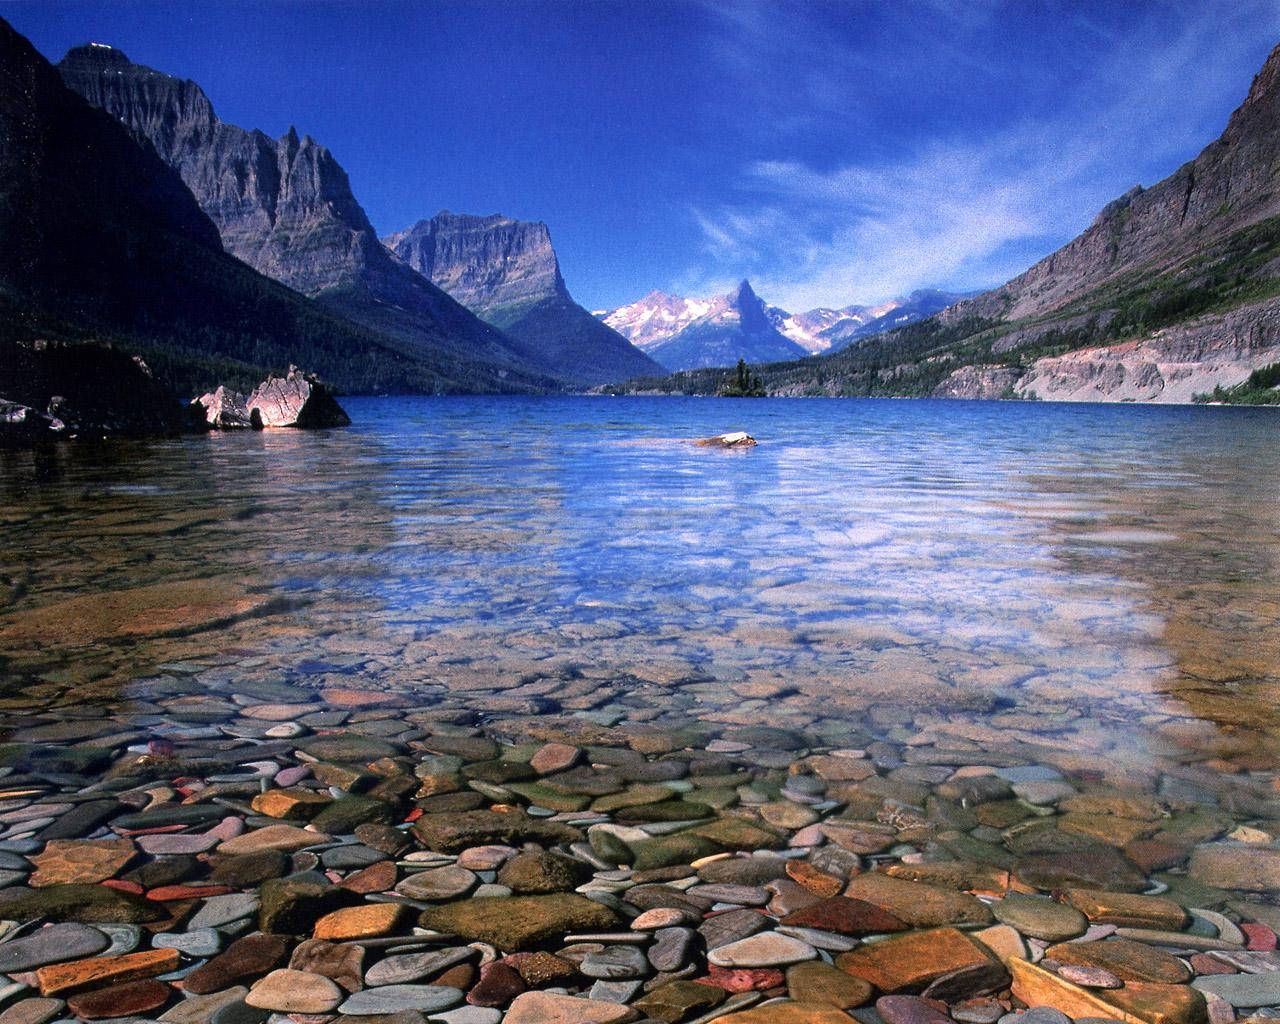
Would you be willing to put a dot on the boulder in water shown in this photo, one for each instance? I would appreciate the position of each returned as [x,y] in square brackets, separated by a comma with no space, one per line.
[225,409]
[296,400]
[736,439]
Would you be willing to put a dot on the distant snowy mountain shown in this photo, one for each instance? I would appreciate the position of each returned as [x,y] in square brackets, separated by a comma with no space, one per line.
[683,333]
[815,329]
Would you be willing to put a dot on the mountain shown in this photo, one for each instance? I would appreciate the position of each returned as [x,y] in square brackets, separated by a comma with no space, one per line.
[814,331]
[507,272]
[684,334]
[821,330]
[103,241]
[1172,293]
[285,207]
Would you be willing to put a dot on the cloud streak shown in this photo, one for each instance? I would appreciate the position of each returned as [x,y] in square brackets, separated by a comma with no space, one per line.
[968,208]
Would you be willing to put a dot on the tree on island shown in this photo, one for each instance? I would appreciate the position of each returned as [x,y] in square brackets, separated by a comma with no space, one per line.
[744,385]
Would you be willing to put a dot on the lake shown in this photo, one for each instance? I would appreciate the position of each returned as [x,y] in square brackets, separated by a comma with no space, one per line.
[1098,580]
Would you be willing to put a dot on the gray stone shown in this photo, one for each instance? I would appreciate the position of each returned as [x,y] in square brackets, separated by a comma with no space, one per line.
[220,910]
[1243,990]
[51,945]
[197,942]
[393,998]
[407,967]
[614,962]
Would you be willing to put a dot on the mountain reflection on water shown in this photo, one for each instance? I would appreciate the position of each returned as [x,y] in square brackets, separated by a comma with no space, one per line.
[1095,579]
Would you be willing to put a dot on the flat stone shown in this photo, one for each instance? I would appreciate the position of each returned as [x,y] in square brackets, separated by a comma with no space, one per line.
[52,944]
[555,757]
[978,979]
[845,916]
[55,979]
[394,998]
[1040,918]
[343,964]
[246,958]
[543,873]
[678,1000]
[36,1011]
[1005,942]
[917,904]
[285,838]
[1252,867]
[815,982]
[1128,961]
[363,922]
[221,910]
[404,968]
[453,833]
[80,861]
[909,1010]
[552,1008]
[787,1012]
[1096,866]
[909,963]
[169,845]
[1127,909]
[767,949]
[518,922]
[293,906]
[289,991]
[1135,1003]
[788,815]
[199,942]
[248,869]
[670,949]
[499,983]
[722,929]
[615,962]
[744,979]
[1089,977]
[1243,991]
[202,1009]
[131,999]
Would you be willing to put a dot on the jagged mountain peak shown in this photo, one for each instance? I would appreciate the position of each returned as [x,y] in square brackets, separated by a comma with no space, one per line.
[97,55]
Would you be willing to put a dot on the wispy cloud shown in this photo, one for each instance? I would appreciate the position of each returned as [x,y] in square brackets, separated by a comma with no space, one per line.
[968,207]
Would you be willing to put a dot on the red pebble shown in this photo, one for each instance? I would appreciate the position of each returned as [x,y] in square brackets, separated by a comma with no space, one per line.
[116,883]
[414,814]
[164,893]
[742,979]
[1207,963]
[1258,937]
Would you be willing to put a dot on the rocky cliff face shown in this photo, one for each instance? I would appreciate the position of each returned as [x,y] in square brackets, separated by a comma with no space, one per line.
[486,263]
[507,272]
[1230,185]
[285,207]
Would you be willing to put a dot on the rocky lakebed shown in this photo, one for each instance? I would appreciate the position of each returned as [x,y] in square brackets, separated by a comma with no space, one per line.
[351,854]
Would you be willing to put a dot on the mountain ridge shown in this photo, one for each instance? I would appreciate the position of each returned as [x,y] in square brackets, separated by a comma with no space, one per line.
[285,207]
[104,242]
[508,273]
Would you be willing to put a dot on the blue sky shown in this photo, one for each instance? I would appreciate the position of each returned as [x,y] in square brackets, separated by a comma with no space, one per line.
[832,152]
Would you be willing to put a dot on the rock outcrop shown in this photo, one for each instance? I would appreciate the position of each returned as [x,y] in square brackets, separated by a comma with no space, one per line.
[51,390]
[294,400]
[285,207]
[507,272]
[224,409]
